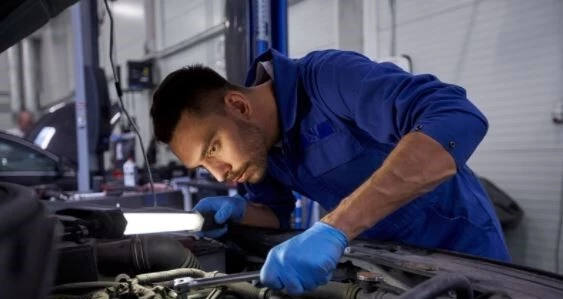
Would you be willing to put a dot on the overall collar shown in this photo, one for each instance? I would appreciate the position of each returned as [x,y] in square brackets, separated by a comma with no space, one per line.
[286,73]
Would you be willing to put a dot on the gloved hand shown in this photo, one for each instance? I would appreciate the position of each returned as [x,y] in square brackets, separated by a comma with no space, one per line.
[225,208]
[305,261]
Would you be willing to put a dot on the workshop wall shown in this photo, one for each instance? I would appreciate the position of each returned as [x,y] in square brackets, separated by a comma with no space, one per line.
[54,62]
[508,55]
[50,65]
[307,33]
[5,109]
[184,22]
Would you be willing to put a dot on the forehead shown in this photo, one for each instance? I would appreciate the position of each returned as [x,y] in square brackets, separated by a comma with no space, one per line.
[191,127]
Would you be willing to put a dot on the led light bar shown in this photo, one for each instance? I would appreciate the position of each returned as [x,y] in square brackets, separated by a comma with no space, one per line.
[146,223]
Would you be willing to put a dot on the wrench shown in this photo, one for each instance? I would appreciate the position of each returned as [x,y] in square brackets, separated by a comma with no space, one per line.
[185,284]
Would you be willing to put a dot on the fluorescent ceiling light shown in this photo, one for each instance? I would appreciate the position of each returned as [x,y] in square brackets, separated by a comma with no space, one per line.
[128,10]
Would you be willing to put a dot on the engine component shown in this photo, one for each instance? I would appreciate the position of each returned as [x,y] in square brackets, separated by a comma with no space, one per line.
[76,263]
[158,285]
[143,254]
[441,284]
[27,244]
[133,288]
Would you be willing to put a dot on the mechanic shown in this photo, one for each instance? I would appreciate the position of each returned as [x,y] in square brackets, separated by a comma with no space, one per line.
[382,150]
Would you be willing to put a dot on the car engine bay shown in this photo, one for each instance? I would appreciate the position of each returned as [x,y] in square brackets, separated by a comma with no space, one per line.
[185,266]
[134,256]
[56,256]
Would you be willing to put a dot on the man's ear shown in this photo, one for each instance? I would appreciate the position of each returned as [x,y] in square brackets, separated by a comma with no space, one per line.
[237,103]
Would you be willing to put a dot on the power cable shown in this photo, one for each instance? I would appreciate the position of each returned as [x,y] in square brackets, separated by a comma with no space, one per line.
[120,97]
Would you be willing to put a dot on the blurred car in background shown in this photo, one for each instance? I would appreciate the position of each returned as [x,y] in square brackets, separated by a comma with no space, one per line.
[24,163]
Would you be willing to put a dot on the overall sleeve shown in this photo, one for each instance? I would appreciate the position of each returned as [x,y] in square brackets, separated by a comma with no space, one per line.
[388,103]
[274,195]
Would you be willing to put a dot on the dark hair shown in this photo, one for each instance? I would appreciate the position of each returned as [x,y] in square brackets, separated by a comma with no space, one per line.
[194,88]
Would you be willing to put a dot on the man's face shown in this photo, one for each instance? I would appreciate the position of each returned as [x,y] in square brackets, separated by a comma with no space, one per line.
[231,148]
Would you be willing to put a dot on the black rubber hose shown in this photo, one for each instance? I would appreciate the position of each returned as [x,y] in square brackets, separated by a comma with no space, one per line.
[440,284]
[245,290]
[334,290]
[142,254]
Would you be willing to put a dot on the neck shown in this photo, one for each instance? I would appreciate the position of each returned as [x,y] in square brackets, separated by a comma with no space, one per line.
[265,101]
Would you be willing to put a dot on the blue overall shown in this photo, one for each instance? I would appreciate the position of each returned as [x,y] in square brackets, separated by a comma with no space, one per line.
[341,114]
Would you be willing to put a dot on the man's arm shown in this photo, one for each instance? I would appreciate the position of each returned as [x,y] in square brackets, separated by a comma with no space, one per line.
[436,129]
[260,215]
[269,204]
[416,166]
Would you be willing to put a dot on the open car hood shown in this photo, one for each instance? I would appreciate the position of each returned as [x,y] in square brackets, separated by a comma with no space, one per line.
[56,130]
[20,18]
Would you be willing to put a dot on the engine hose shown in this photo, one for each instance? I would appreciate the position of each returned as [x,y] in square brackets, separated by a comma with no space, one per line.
[245,290]
[142,254]
[334,290]
[172,274]
[440,284]
[82,286]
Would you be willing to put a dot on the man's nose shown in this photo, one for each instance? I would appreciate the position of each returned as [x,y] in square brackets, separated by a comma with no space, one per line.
[219,170]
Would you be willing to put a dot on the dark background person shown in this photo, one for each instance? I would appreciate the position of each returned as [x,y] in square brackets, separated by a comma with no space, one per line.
[25,121]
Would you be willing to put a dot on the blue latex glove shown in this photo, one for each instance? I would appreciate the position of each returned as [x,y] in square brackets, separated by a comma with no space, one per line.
[305,261]
[225,208]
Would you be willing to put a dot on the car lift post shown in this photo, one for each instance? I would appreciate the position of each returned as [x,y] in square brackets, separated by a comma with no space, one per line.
[267,26]
[85,27]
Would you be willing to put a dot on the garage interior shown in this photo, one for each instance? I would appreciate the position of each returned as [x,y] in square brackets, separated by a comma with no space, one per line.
[82,148]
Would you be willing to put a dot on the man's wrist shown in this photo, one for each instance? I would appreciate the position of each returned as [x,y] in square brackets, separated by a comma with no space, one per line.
[338,233]
[346,221]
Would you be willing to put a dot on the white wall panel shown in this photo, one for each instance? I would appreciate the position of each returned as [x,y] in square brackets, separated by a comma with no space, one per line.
[181,26]
[312,25]
[178,8]
[185,19]
[5,112]
[196,54]
[56,60]
[4,73]
[508,56]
